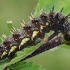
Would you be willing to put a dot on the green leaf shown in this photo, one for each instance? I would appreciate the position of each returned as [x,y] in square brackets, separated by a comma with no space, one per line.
[25,66]
[65,46]
[10,26]
[58,4]
[1,40]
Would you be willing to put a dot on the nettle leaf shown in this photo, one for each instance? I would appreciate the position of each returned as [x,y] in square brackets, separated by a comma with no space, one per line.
[65,46]
[58,4]
[25,66]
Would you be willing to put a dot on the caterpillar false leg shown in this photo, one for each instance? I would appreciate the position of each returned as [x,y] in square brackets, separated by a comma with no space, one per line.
[53,35]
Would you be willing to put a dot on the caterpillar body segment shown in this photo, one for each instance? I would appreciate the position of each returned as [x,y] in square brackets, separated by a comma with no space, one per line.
[19,40]
[36,28]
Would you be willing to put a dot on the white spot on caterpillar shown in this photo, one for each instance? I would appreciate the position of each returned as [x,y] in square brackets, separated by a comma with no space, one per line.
[12,49]
[47,23]
[34,34]
[23,42]
[4,53]
[41,27]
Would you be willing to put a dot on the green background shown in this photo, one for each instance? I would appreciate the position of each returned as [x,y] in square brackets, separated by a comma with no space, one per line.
[15,10]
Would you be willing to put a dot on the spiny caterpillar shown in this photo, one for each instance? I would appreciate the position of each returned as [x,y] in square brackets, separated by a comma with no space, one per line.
[35,29]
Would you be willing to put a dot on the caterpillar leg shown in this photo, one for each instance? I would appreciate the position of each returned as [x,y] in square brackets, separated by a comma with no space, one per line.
[52,36]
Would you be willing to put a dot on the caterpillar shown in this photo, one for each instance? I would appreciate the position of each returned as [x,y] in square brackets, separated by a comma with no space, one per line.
[36,28]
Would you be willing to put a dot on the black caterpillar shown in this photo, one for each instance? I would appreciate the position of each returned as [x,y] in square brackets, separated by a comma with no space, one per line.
[35,29]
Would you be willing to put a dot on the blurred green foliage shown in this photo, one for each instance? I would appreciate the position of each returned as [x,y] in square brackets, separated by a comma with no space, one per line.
[25,66]
[15,10]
